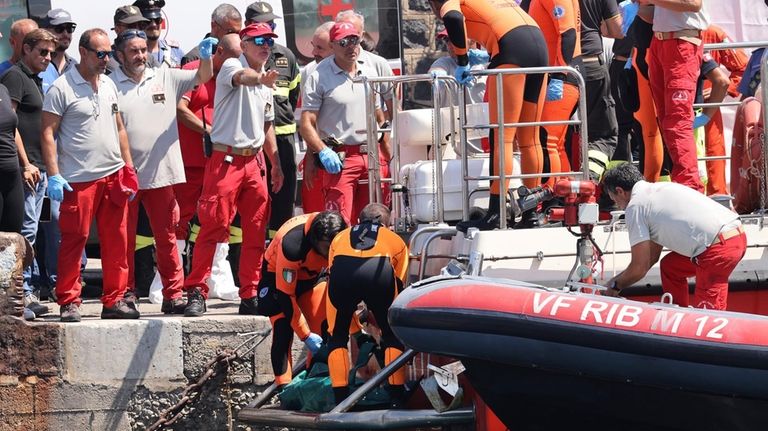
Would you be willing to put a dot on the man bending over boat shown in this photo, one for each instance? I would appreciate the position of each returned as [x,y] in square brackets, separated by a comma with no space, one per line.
[705,239]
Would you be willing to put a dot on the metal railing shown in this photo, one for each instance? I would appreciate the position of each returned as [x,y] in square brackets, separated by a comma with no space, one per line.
[499,137]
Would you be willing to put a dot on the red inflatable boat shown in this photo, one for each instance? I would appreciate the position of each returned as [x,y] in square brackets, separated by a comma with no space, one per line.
[547,359]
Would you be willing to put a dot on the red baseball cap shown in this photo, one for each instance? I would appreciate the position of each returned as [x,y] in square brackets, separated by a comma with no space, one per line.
[340,30]
[258,29]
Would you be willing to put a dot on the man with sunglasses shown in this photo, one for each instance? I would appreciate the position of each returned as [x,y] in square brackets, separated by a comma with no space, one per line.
[91,160]
[148,97]
[25,90]
[127,17]
[235,176]
[60,23]
[19,29]
[225,19]
[286,96]
[335,107]
[160,51]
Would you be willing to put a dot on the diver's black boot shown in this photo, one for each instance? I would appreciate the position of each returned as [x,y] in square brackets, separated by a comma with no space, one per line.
[340,394]
[490,221]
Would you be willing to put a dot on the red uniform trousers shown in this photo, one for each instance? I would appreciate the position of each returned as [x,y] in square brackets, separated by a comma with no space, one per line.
[673,70]
[78,209]
[187,195]
[711,268]
[228,188]
[342,191]
[163,214]
[313,199]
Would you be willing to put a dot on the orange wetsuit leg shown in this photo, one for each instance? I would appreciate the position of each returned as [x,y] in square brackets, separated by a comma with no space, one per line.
[715,146]
[652,143]
[558,110]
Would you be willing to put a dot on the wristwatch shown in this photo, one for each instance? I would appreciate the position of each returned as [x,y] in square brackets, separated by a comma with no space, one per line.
[614,287]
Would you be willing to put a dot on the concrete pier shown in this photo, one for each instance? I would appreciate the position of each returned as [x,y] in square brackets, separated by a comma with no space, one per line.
[119,375]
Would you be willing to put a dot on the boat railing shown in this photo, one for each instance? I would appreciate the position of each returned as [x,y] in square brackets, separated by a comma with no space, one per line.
[722,47]
[498,74]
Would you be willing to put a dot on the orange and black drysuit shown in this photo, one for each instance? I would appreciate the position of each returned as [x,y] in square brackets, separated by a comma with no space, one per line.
[513,40]
[368,262]
[560,22]
[289,291]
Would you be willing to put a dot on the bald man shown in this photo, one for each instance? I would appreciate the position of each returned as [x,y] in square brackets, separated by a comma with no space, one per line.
[19,30]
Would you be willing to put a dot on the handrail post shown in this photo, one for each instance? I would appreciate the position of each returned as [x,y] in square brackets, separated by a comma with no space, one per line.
[499,144]
[437,140]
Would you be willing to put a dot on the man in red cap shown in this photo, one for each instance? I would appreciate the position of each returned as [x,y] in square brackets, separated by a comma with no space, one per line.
[334,108]
[235,175]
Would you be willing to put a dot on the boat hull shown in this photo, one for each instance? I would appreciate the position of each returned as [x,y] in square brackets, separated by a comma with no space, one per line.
[530,355]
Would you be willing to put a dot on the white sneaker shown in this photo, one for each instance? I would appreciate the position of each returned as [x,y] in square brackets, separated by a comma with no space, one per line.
[33,305]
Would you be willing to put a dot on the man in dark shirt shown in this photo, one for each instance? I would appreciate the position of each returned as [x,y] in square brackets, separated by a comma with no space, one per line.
[621,82]
[26,92]
[599,18]
[286,96]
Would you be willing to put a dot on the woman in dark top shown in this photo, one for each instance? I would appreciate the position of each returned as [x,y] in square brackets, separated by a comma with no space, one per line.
[11,188]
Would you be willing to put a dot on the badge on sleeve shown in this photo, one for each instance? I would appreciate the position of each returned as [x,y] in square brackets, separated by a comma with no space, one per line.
[559,12]
[281,62]
[289,275]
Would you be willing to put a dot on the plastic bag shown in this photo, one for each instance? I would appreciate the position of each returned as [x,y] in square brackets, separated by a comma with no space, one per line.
[156,288]
[221,283]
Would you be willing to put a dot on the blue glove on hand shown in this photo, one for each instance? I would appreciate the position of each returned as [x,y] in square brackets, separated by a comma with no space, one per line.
[478,56]
[330,160]
[629,11]
[555,90]
[700,120]
[628,64]
[313,343]
[56,186]
[206,47]
[462,75]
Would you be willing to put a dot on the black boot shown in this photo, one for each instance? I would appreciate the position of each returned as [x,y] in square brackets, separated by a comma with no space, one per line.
[490,221]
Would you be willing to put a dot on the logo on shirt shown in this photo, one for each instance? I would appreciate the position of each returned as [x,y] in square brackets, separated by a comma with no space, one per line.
[158,98]
[263,292]
[268,108]
[289,275]
[281,62]
[558,12]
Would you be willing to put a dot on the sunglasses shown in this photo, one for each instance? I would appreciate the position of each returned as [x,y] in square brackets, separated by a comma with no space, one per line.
[44,52]
[69,28]
[261,41]
[130,34]
[350,41]
[101,55]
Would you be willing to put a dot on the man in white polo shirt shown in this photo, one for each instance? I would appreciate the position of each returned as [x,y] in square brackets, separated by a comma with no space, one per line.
[91,160]
[705,239]
[235,176]
[148,98]
[334,107]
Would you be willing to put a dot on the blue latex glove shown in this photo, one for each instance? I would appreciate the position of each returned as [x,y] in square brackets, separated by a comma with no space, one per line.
[700,120]
[629,11]
[56,186]
[313,342]
[478,56]
[330,160]
[628,64]
[206,47]
[462,75]
[555,89]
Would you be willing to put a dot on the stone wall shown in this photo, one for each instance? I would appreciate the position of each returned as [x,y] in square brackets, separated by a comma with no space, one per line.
[100,375]
[420,49]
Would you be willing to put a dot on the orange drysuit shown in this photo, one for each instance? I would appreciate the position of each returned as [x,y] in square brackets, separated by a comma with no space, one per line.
[560,22]
[513,40]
